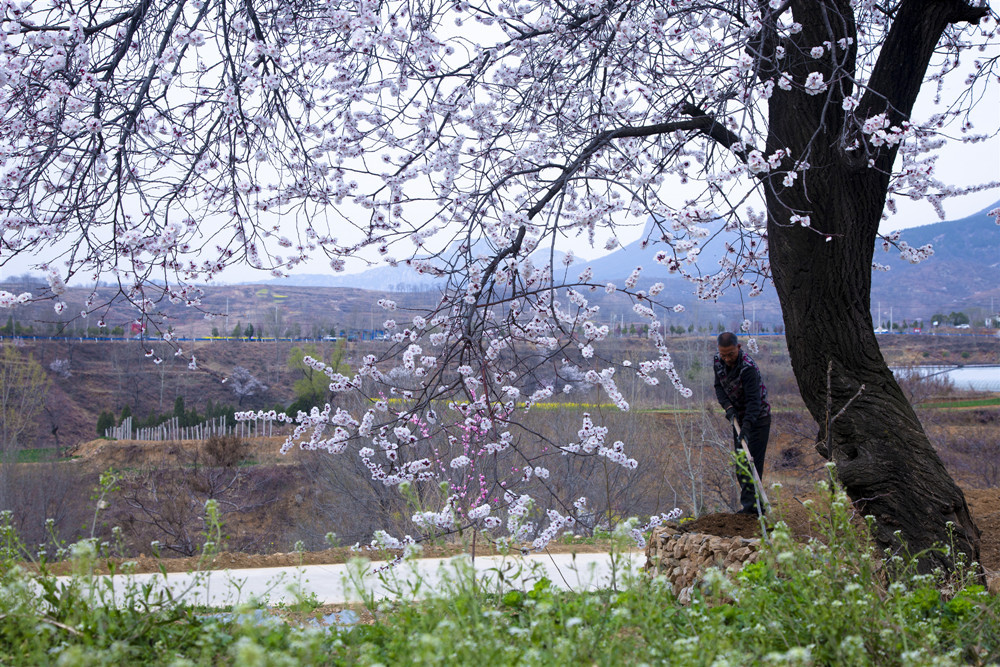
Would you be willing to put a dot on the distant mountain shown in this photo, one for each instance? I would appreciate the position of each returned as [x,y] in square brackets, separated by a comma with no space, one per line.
[380,278]
[617,266]
[964,271]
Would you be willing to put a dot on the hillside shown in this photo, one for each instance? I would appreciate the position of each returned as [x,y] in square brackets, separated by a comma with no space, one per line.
[107,375]
[294,311]
[270,502]
[295,498]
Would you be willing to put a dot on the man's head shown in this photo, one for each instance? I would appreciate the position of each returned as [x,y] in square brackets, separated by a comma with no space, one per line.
[729,348]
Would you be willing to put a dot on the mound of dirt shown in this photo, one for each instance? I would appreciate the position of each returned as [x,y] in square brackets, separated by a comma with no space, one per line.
[724,525]
[984,504]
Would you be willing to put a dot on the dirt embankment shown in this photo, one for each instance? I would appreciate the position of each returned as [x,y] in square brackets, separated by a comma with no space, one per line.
[103,453]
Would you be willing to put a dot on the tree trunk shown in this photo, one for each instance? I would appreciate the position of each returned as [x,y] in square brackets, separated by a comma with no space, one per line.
[822,272]
[883,457]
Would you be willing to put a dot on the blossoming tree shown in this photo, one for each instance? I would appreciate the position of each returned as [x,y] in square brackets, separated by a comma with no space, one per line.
[165,140]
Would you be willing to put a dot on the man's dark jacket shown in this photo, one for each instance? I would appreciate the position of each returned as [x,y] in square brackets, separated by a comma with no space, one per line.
[741,387]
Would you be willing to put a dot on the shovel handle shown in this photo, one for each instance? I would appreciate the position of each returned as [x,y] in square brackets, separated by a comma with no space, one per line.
[753,468]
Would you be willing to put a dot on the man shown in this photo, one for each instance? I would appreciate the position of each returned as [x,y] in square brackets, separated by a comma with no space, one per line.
[742,394]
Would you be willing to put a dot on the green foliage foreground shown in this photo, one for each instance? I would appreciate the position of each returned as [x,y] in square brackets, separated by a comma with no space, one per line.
[832,601]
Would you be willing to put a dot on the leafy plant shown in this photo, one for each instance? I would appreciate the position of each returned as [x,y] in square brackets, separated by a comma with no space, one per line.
[105,420]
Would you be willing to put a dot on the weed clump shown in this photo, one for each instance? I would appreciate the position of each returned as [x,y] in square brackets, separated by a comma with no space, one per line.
[226,450]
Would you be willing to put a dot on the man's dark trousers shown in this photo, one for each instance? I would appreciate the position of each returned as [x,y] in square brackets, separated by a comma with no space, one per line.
[756,437]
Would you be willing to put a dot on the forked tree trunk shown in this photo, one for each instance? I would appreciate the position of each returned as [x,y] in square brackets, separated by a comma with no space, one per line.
[883,457]
[822,272]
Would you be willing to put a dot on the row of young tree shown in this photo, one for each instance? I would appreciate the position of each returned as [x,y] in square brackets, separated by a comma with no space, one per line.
[239,331]
[937,319]
[185,416]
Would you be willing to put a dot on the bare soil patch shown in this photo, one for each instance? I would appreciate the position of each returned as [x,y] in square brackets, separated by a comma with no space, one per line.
[985,507]
[724,525]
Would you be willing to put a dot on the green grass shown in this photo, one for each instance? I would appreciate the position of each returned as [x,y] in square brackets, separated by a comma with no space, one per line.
[40,454]
[970,403]
[822,603]
[683,411]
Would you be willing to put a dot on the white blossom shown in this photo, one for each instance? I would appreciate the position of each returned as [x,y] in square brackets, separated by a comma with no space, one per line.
[815,84]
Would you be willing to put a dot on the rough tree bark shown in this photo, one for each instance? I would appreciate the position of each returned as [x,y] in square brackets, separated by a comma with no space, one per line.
[822,274]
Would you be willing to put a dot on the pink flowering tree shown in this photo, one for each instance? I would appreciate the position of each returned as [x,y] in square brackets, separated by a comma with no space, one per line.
[165,140]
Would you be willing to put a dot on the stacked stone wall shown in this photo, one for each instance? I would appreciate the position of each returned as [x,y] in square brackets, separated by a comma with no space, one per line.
[683,558]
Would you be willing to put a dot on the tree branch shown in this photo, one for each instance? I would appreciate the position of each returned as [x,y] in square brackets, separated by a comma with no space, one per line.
[701,123]
[906,53]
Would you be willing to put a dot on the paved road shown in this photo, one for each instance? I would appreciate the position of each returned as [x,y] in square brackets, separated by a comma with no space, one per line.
[336,584]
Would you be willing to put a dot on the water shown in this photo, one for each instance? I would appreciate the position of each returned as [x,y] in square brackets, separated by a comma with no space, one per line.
[975,378]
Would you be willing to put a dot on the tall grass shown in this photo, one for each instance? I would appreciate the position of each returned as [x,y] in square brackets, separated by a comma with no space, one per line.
[831,601]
